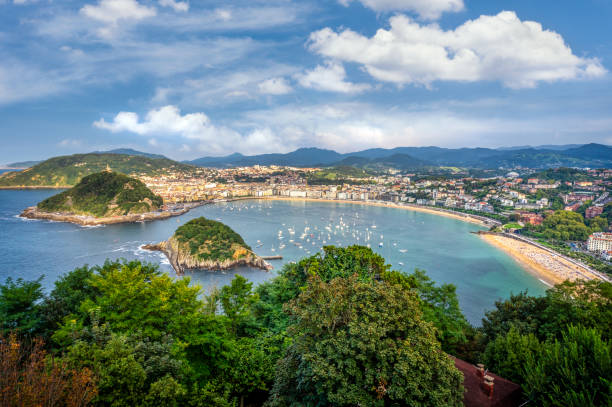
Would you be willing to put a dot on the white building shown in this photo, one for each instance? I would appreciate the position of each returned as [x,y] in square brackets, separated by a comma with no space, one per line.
[297,194]
[600,242]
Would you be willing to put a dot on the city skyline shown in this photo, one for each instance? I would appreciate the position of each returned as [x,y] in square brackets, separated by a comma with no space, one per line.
[187,79]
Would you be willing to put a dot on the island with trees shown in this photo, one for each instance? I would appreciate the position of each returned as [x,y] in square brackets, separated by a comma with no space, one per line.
[207,245]
[102,198]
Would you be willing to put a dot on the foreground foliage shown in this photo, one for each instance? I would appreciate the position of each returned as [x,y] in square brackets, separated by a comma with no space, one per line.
[337,328]
[363,343]
[558,347]
[29,378]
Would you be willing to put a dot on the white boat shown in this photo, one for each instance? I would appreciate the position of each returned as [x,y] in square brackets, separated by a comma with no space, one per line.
[380,244]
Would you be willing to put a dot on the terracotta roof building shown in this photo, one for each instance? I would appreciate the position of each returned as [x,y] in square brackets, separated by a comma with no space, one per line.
[485,389]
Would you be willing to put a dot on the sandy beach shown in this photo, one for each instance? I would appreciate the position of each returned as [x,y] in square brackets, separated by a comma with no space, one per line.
[548,267]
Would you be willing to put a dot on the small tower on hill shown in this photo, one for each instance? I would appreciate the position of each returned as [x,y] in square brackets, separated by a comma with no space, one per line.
[108,168]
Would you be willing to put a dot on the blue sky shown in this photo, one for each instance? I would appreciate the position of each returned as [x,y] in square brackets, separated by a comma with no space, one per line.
[196,78]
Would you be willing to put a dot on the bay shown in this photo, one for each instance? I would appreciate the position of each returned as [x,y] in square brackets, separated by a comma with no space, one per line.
[443,247]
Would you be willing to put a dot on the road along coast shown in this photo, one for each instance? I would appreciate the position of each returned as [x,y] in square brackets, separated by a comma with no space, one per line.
[549,266]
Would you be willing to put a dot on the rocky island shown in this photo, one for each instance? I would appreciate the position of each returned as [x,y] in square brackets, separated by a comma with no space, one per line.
[103,198]
[206,244]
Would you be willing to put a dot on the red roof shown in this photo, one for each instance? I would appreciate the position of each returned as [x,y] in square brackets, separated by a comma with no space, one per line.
[505,393]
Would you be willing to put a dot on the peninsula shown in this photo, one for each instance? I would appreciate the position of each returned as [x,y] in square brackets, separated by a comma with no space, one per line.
[207,244]
[103,198]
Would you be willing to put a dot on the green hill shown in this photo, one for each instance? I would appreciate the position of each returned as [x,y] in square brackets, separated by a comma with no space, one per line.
[104,194]
[68,170]
[207,239]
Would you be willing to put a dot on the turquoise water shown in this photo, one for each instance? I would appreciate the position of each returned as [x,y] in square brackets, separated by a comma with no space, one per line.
[443,247]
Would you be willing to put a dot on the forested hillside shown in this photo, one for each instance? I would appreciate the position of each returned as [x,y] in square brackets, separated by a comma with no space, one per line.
[68,170]
[104,194]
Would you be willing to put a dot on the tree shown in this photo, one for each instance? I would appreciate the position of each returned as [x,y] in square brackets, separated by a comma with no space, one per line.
[521,311]
[333,262]
[585,303]
[565,225]
[363,343]
[20,307]
[598,224]
[136,297]
[575,371]
[588,303]
[29,378]
[131,370]
[507,355]
[607,213]
[252,369]
[236,300]
[65,299]
[439,304]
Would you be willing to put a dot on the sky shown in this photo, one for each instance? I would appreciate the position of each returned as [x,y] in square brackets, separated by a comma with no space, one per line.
[193,78]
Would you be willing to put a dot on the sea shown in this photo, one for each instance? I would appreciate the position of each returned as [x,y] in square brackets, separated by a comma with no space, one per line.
[445,248]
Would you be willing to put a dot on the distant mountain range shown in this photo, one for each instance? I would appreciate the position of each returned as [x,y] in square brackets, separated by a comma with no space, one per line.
[122,151]
[588,155]
[547,156]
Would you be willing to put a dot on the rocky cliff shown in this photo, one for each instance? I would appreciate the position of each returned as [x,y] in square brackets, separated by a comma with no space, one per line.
[181,259]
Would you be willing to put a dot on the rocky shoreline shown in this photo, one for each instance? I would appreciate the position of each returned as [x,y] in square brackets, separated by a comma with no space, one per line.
[181,261]
[34,213]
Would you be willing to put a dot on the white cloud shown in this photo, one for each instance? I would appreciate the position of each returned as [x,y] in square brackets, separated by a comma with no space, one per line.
[330,78]
[111,12]
[168,122]
[495,48]
[223,14]
[19,82]
[228,87]
[275,86]
[178,6]
[426,9]
[348,127]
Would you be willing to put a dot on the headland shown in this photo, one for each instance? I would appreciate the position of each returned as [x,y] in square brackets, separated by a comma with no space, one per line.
[204,244]
[87,220]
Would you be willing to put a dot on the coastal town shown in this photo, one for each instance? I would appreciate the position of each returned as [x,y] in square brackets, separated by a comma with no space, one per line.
[514,203]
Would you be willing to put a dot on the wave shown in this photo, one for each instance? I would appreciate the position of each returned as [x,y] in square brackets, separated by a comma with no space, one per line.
[545,283]
[25,219]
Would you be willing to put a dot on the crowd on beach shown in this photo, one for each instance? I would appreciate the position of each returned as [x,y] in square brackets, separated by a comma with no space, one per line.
[549,266]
